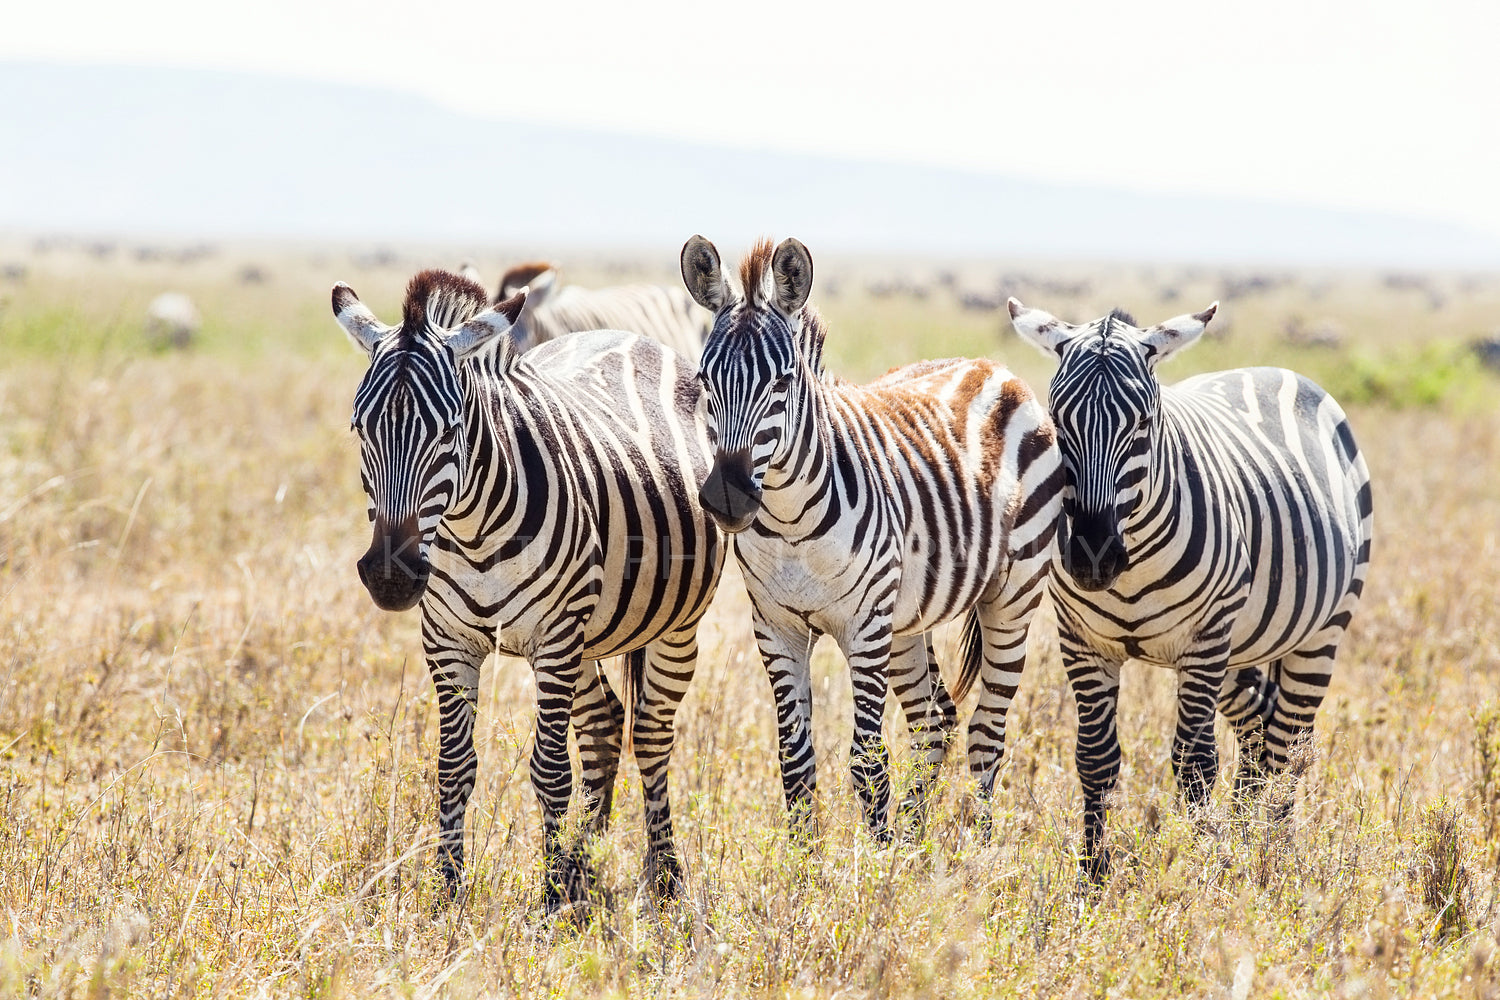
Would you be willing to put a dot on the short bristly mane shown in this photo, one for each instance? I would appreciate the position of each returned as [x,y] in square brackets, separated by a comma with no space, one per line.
[1107,325]
[753,269]
[440,299]
[814,332]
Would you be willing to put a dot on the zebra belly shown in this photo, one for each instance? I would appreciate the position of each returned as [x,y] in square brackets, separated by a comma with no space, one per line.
[817,583]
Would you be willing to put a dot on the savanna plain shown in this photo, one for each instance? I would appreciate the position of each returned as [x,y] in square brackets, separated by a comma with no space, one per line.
[217,758]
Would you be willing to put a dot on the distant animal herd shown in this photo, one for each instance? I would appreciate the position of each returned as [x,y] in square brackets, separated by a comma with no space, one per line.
[560,473]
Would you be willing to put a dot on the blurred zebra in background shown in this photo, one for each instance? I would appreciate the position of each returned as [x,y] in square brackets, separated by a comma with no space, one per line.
[553,309]
[1215,527]
[543,505]
[872,514]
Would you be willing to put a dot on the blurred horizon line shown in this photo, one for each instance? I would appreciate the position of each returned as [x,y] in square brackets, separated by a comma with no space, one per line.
[127,152]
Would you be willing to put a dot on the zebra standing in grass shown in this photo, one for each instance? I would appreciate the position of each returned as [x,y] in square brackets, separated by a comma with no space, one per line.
[543,505]
[1214,527]
[872,514]
[665,314]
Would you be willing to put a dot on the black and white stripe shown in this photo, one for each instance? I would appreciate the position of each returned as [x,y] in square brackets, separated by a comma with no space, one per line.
[544,505]
[1220,527]
[872,514]
[553,310]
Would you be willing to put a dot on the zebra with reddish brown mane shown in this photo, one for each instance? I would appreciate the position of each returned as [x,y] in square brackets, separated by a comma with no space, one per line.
[872,513]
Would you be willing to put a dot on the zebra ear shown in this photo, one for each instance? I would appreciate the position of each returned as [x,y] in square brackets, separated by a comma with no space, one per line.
[702,276]
[792,265]
[469,339]
[1040,329]
[539,289]
[1166,339]
[356,319]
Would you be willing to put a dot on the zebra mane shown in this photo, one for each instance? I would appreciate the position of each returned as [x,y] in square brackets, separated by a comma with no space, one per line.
[1107,325]
[753,269]
[440,299]
[814,333]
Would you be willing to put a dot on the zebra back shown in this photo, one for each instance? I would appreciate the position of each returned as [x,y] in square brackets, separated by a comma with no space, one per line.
[667,315]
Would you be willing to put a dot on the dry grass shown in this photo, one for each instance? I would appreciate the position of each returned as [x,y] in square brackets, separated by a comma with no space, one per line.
[218,757]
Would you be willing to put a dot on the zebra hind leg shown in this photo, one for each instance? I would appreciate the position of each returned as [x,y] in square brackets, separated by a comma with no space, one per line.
[1302,679]
[658,679]
[568,880]
[599,724]
[1247,700]
[930,716]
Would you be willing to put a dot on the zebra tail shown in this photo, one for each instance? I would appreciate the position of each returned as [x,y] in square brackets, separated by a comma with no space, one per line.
[971,657]
[634,683]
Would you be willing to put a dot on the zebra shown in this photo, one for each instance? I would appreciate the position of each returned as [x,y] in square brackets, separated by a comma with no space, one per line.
[552,311]
[543,505]
[872,514]
[1216,527]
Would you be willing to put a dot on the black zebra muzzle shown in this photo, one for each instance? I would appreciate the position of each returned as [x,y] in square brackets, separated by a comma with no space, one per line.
[731,495]
[1093,550]
[392,569]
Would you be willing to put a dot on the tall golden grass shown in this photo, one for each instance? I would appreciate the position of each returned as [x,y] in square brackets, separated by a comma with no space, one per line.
[218,758]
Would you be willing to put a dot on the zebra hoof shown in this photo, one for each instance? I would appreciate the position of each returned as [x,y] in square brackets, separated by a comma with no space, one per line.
[569,885]
[1093,869]
[664,876]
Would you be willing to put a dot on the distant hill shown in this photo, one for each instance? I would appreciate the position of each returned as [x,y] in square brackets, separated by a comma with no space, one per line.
[206,154]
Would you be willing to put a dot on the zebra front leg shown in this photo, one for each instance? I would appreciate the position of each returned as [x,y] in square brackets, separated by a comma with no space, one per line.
[558,666]
[1247,700]
[1195,756]
[666,671]
[786,649]
[454,665]
[869,652]
[931,716]
[1096,691]
[995,653]
[599,724]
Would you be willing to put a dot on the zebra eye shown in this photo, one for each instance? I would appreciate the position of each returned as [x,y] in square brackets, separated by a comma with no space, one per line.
[449,435]
[781,383]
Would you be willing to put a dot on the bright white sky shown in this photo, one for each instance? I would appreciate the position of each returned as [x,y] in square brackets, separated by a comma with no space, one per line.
[1367,104]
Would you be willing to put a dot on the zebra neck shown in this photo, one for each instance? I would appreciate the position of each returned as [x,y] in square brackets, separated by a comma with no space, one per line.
[1165,486]
[800,483]
[488,473]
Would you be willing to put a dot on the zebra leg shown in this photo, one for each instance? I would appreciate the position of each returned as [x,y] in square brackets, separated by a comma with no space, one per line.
[868,651]
[599,725]
[1195,756]
[669,666]
[1302,677]
[930,714]
[1096,691]
[1246,700]
[786,650]
[558,666]
[454,664]
[997,635]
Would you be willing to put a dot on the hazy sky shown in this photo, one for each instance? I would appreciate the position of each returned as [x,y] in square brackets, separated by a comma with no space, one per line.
[1369,105]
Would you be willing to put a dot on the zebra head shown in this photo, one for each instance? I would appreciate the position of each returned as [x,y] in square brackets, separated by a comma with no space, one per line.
[408,413]
[1106,403]
[752,376]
